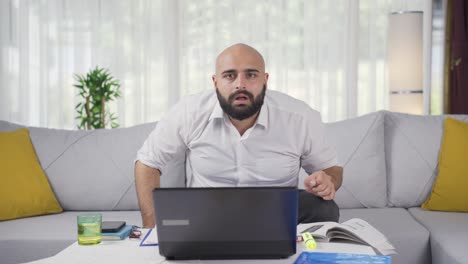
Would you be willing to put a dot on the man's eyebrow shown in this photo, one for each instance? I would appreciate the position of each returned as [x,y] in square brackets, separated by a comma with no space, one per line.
[229,71]
[235,71]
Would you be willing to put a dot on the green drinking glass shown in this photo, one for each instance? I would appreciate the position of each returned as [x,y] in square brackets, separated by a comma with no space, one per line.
[89,229]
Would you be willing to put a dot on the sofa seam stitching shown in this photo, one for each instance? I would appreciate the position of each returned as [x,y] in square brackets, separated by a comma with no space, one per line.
[354,152]
[422,158]
[67,148]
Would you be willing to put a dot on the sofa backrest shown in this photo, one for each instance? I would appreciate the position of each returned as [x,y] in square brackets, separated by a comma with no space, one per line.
[412,144]
[93,170]
[359,145]
[389,159]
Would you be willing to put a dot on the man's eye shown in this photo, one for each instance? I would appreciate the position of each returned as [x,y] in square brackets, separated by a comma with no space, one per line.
[229,76]
[251,75]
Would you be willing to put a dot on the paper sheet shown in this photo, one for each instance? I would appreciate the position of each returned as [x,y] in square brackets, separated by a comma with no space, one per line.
[150,237]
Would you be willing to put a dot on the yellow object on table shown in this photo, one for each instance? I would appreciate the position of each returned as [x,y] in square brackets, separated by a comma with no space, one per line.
[309,240]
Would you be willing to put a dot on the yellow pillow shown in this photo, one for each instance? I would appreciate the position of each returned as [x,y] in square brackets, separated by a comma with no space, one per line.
[450,190]
[24,188]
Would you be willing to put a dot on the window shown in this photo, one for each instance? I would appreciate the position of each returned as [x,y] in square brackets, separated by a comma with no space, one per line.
[330,54]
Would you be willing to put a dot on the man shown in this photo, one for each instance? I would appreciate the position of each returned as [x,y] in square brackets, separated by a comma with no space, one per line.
[242,135]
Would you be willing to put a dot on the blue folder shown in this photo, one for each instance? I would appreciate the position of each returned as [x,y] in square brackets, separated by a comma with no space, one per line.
[338,258]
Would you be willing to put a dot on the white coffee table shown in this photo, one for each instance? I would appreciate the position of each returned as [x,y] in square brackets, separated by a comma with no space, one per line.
[129,251]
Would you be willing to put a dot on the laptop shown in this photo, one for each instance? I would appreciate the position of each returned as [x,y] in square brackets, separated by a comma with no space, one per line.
[226,223]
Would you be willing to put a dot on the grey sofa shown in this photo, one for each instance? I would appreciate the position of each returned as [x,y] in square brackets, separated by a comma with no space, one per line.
[389,159]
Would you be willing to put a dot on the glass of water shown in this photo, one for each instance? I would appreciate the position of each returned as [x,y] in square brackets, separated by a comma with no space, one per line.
[89,229]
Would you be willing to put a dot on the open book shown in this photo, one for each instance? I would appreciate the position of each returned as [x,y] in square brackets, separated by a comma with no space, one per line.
[354,230]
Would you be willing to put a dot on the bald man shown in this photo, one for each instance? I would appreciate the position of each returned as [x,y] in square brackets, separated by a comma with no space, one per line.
[240,134]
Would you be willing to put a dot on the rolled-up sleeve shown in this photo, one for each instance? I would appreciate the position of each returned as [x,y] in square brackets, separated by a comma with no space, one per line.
[167,141]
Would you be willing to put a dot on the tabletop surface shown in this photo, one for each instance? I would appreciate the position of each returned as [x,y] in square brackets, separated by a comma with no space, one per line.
[130,251]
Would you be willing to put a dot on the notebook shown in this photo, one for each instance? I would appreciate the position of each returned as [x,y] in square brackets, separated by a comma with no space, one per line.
[226,223]
[121,234]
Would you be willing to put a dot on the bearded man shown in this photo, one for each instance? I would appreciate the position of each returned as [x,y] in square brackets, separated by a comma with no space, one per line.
[241,134]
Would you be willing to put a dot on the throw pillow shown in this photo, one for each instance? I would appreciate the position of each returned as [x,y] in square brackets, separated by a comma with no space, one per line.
[24,188]
[449,192]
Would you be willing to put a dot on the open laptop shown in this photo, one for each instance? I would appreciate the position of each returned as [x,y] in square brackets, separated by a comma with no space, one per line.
[226,223]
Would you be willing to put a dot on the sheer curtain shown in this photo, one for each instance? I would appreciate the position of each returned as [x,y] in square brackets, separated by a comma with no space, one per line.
[331,54]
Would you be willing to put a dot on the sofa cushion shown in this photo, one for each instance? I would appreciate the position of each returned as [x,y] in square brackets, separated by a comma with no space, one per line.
[449,190]
[14,252]
[359,145]
[411,150]
[411,239]
[93,170]
[449,233]
[24,189]
[39,237]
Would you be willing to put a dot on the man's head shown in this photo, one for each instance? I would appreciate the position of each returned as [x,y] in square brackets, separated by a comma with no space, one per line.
[240,81]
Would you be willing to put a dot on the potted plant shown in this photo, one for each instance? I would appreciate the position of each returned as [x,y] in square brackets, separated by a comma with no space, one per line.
[96,89]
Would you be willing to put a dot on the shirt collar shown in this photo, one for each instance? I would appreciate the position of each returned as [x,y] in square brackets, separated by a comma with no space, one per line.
[261,120]
[217,111]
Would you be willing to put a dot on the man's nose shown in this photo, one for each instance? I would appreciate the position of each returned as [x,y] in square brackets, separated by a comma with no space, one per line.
[240,82]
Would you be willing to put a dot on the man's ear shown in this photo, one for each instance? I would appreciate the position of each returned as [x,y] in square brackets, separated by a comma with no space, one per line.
[266,78]
[213,78]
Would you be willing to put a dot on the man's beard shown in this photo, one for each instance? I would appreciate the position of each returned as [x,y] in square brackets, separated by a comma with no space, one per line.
[241,112]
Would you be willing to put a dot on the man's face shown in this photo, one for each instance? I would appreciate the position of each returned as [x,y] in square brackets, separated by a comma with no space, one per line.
[240,82]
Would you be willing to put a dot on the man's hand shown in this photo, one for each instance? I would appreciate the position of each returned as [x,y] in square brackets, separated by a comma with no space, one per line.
[320,184]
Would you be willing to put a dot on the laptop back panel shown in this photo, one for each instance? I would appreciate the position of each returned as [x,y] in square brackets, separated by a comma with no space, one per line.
[226,223]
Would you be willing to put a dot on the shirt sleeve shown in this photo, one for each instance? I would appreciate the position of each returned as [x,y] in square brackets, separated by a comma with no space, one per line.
[317,153]
[167,141]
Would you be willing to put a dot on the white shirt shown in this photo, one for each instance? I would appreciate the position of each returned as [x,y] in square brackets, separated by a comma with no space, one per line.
[288,134]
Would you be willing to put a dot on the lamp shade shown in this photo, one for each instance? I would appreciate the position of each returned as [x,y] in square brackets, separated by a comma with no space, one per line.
[405,61]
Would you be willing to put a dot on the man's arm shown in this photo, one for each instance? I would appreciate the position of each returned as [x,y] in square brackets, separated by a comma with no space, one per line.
[146,179]
[324,183]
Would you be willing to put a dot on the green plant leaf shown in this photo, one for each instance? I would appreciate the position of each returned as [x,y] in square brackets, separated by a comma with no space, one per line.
[96,84]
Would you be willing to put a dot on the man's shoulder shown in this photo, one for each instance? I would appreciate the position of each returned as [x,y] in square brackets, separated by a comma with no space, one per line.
[285,103]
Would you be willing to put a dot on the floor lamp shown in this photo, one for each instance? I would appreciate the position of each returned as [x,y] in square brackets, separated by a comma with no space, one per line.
[405,62]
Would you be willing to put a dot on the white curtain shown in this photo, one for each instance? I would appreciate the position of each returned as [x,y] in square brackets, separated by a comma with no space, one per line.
[331,54]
